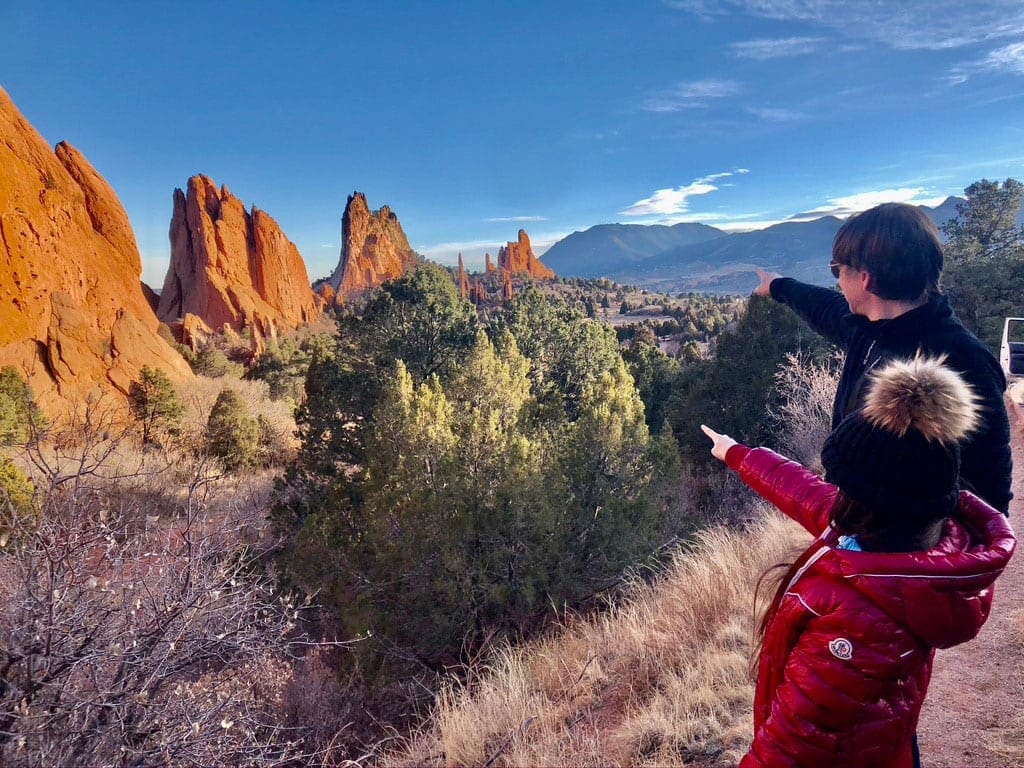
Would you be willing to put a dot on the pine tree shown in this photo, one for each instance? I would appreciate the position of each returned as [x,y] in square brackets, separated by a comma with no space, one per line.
[155,404]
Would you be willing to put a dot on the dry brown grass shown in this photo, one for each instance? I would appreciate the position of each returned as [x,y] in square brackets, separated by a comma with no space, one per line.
[1008,742]
[660,678]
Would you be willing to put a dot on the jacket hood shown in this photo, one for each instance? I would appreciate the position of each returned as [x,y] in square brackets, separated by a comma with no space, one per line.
[942,595]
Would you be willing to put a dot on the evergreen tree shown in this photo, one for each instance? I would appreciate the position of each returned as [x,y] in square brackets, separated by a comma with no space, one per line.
[984,269]
[20,418]
[155,404]
[232,435]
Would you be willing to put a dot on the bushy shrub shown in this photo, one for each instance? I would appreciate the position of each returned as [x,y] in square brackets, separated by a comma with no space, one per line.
[17,498]
[232,435]
[155,404]
[19,416]
[212,362]
[493,471]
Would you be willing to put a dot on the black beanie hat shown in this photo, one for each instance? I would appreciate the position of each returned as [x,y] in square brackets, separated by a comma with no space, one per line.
[899,454]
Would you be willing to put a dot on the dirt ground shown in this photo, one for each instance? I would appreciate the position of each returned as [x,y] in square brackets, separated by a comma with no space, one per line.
[978,687]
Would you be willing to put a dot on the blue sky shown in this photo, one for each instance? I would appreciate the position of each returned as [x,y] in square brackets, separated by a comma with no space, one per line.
[472,120]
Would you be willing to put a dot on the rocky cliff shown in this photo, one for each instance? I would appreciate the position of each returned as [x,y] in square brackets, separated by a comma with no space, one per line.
[73,317]
[517,258]
[230,267]
[374,249]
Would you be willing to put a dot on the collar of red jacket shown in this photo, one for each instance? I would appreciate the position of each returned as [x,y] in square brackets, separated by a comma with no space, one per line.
[942,595]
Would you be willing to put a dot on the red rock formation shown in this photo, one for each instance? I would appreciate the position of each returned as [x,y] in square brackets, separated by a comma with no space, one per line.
[152,297]
[463,279]
[73,316]
[374,249]
[326,293]
[518,258]
[488,265]
[507,292]
[233,268]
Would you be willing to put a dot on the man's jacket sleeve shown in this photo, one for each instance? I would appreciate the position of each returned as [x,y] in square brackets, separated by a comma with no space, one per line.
[796,491]
[822,308]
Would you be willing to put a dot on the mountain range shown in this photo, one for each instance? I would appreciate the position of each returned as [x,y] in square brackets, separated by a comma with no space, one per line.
[698,257]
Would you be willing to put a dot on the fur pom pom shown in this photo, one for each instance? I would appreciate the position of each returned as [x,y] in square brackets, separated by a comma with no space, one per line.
[922,395]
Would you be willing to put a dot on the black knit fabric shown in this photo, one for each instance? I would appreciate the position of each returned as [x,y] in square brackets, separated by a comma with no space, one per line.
[909,476]
[933,329]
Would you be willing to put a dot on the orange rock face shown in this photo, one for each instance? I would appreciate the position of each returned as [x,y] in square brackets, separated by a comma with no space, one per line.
[488,266]
[73,317]
[374,249]
[233,268]
[517,258]
[463,279]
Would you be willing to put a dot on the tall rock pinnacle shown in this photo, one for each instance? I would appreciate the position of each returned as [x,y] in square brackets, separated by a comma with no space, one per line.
[374,249]
[517,258]
[232,267]
[73,316]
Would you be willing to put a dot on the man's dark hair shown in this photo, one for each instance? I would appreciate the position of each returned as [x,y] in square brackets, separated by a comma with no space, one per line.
[898,245]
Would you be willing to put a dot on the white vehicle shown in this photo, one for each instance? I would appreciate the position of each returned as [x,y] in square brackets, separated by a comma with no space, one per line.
[1011,351]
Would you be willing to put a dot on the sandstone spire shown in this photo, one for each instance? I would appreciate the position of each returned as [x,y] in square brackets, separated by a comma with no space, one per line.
[232,268]
[374,249]
[463,279]
[73,316]
[488,264]
[518,258]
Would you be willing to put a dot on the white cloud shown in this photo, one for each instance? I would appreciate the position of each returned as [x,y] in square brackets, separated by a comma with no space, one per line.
[906,25]
[674,201]
[666,202]
[764,49]
[498,219]
[776,114]
[694,94]
[847,205]
[1009,58]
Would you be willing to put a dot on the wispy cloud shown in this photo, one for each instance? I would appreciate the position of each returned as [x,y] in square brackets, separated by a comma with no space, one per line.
[776,114]
[694,94]
[675,200]
[1009,58]
[907,25]
[847,205]
[762,50]
[499,219]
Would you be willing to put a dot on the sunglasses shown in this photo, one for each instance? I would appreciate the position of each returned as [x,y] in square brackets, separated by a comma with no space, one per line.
[834,267]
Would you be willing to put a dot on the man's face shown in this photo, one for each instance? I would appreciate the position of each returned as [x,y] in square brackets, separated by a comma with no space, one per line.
[854,285]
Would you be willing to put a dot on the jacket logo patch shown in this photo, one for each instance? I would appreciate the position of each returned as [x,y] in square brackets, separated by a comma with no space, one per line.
[841,648]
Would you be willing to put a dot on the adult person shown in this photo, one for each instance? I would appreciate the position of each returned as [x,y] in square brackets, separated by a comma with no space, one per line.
[888,261]
[902,563]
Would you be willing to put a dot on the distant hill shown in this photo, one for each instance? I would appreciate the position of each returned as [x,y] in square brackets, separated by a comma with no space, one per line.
[703,258]
[602,249]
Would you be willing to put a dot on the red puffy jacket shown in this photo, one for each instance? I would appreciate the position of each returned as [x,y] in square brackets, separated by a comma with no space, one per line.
[847,655]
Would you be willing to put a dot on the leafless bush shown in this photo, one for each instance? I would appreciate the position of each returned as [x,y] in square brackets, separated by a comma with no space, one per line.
[804,419]
[128,638]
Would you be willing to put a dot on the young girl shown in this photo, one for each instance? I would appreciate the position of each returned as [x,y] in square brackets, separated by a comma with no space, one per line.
[903,563]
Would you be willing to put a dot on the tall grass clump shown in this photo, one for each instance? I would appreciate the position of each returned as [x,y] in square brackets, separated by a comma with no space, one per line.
[661,678]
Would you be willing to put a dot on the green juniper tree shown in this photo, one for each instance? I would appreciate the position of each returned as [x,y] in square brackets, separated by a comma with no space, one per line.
[155,404]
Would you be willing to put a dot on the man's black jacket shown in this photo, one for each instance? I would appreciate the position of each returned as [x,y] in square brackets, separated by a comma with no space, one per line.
[985,462]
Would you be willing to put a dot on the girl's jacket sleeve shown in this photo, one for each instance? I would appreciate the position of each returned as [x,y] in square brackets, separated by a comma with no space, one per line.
[796,491]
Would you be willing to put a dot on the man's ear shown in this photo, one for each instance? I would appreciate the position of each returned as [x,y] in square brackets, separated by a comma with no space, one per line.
[867,281]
